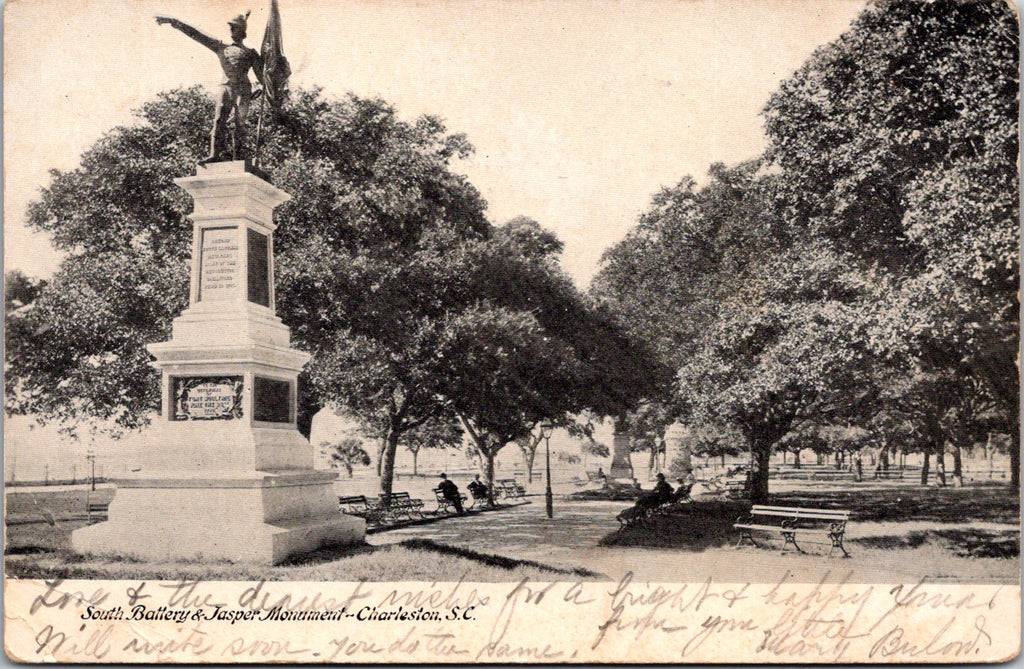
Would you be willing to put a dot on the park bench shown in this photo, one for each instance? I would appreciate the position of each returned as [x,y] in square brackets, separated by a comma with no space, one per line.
[888,474]
[96,512]
[358,505]
[647,506]
[399,504]
[509,489]
[479,496]
[445,505]
[792,521]
[680,498]
[736,489]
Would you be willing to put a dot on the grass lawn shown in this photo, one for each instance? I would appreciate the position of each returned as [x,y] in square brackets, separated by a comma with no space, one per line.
[899,532]
[968,534]
[39,550]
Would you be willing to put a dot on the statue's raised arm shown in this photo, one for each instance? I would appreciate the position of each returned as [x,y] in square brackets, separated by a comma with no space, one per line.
[227,140]
[211,43]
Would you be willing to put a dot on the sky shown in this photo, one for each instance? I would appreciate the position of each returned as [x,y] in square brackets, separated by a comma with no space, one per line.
[579,110]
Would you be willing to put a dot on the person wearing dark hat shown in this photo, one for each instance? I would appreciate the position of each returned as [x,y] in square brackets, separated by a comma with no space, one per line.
[451,493]
[236,92]
[662,490]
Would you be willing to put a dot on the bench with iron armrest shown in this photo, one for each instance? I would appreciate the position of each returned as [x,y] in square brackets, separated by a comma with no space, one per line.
[479,495]
[358,505]
[445,505]
[792,521]
[736,489]
[509,489]
[399,504]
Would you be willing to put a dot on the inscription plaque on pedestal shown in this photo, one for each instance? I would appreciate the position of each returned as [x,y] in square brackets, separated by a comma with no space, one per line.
[207,397]
[272,400]
[218,264]
[259,268]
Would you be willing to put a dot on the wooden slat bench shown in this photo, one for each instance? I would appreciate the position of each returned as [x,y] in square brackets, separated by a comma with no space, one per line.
[445,505]
[509,489]
[793,521]
[400,504]
[479,497]
[96,512]
[358,505]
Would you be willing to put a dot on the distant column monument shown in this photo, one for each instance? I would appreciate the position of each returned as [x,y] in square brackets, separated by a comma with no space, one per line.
[678,457]
[621,466]
[233,478]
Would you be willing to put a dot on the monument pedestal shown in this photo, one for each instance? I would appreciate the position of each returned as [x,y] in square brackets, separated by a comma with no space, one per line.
[678,457]
[233,478]
[621,468]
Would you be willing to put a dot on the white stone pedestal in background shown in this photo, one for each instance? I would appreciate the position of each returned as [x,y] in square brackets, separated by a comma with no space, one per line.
[621,468]
[678,459]
[233,478]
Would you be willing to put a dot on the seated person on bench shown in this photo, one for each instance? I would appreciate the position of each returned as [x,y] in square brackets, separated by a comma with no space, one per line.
[451,493]
[477,487]
[682,493]
[662,490]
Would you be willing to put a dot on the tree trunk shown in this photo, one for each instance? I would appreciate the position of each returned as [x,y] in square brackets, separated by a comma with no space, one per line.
[415,457]
[759,474]
[783,457]
[925,463]
[958,467]
[489,474]
[940,464]
[387,472]
[381,447]
[528,457]
[796,459]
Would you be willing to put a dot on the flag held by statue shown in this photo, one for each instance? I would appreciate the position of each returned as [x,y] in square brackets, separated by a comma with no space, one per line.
[275,66]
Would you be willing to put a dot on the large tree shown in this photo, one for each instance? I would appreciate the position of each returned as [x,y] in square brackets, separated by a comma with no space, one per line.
[898,142]
[370,192]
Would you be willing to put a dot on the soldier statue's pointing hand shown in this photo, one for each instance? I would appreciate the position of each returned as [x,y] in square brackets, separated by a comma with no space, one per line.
[236,92]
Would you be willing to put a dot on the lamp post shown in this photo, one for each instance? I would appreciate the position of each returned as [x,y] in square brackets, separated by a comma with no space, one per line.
[546,428]
[91,457]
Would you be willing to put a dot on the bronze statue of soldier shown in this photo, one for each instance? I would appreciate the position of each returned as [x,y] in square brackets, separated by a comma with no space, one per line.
[236,92]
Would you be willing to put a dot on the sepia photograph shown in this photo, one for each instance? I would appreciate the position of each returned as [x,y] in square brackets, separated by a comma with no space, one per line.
[544,331]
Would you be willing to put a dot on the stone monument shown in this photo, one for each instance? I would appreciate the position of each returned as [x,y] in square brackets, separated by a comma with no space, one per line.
[233,478]
[678,457]
[621,466]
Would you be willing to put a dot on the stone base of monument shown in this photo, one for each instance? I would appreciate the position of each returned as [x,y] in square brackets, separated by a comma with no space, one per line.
[229,476]
[256,517]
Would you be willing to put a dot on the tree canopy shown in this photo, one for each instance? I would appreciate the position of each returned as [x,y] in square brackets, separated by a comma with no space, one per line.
[874,243]
[387,271]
